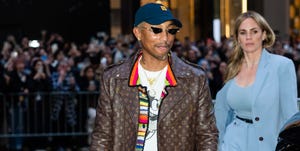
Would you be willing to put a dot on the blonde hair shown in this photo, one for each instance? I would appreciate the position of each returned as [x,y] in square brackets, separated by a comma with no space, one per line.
[237,56]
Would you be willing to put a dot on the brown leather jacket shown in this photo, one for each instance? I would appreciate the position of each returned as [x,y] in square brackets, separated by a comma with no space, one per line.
[186,121]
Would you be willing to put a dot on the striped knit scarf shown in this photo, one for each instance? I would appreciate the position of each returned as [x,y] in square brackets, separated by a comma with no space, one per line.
[144,102]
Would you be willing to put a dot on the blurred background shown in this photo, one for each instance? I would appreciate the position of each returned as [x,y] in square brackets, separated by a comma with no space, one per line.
[72,17]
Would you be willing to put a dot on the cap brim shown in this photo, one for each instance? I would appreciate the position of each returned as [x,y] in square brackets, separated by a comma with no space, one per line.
[158,21]
[177,23]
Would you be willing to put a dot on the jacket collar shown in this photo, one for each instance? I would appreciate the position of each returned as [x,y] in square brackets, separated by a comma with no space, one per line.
[261,74]
[134,77]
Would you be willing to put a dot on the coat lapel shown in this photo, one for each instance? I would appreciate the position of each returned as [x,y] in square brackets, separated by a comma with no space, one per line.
[130,95]
[261,75]
[177,92]
[171,99]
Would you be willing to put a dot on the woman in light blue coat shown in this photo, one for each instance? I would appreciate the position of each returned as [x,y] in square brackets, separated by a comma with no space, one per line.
[260,91]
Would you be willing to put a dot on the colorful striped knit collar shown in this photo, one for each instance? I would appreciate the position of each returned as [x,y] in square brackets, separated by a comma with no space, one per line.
[134,77]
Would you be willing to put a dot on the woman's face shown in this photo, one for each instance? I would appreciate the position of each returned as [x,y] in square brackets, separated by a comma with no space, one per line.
[250,36]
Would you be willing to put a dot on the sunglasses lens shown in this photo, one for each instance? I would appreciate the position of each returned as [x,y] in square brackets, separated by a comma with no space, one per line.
[173,31]
[156,30]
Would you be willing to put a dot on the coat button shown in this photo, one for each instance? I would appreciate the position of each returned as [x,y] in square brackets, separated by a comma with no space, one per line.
[261,138]
[256,118]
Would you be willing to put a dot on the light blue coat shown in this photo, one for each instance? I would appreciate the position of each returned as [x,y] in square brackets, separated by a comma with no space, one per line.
[274,101]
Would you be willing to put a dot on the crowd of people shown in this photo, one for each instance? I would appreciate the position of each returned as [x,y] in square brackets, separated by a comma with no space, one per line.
[56,59]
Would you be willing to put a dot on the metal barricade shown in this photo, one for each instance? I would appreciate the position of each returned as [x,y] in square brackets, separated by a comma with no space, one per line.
[52,114]
[47,114]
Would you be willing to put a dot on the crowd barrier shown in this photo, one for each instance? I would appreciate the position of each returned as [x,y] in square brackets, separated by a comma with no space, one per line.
[47,114]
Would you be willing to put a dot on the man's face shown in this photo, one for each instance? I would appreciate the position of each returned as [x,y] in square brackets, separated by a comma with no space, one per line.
[156,40]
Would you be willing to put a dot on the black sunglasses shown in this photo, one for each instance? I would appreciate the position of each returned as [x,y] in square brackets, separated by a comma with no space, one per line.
[156,30]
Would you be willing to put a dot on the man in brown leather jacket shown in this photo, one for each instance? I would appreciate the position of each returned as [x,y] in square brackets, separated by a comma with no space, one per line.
[154,101]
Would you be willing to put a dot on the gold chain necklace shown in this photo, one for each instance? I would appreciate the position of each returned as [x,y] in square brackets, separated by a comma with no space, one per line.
[153,80]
